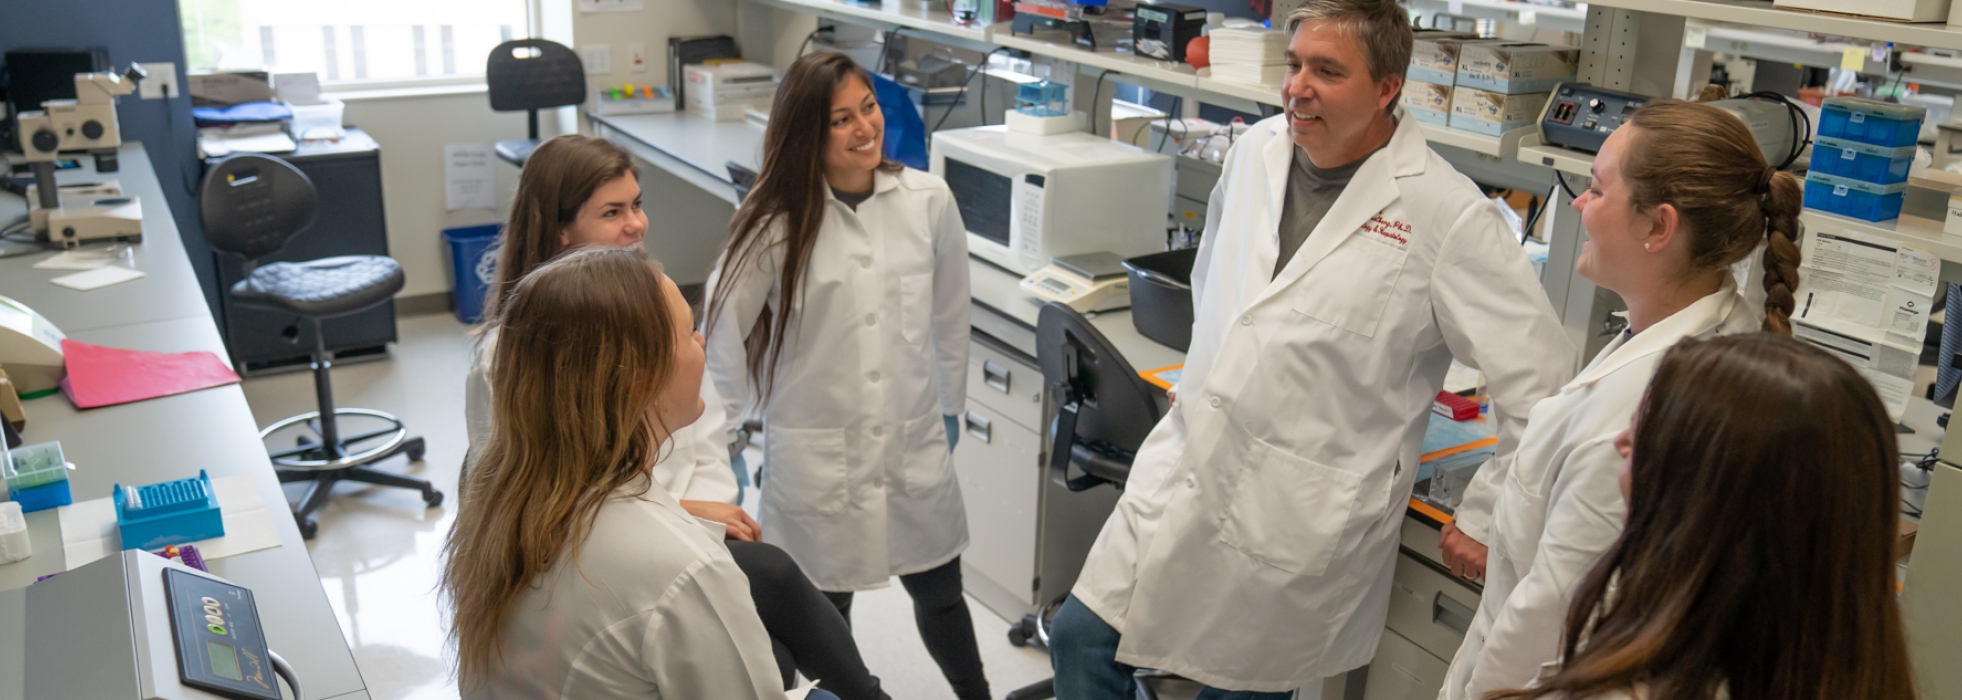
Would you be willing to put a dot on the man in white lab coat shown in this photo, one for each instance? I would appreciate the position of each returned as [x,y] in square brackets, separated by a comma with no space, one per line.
[1344,265]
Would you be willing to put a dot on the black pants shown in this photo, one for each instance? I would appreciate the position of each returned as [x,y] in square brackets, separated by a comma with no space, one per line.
[807,632]
[945,626]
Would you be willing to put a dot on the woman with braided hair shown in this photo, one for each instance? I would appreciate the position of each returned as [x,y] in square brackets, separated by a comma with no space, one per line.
[1683,214]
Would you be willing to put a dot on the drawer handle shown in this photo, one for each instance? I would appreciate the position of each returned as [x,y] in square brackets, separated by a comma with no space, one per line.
[1450,613]
[980,427]
[994,375]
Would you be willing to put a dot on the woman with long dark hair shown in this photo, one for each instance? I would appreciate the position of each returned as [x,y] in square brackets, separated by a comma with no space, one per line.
[1757,563]
[839,310]
[1682,215]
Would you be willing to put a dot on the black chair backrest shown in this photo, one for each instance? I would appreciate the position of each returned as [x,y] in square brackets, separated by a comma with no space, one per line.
[527,74]
[252,204]
[1104,408]
[743,178]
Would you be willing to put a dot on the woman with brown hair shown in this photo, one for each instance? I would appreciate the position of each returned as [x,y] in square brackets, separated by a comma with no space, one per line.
[1757,562]
[1681,213]
[570,572]
[839,310]
[581,191]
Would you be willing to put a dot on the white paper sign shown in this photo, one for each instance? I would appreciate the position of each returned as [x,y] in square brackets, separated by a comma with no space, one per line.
[469,182]
[1866,299]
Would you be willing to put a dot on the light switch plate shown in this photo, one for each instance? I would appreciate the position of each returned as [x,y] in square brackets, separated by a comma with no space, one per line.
[161,83]
[637,57]
[598,58]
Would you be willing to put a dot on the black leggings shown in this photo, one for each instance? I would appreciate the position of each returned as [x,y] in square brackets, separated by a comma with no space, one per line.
[806,632]
[945,626]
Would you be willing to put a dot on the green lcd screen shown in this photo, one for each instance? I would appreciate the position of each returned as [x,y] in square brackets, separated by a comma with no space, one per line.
[224,661]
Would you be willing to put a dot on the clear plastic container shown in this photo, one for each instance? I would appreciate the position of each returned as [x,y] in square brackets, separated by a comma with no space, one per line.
[1861,161]
[1871,121]
[1853,198]
[33,465]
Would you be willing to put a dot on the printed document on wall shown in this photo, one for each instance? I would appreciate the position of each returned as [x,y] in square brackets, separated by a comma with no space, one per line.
[469,182]
[1866,299]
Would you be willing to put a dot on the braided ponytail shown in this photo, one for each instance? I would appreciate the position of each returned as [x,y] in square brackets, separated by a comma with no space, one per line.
[1781,252]
[1705,163]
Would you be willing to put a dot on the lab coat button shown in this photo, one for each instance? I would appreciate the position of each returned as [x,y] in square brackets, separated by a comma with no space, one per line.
[865,263]
[871,319]
[1246,320]
[1214,402]
[1191,482]
[873,376]
[878,431]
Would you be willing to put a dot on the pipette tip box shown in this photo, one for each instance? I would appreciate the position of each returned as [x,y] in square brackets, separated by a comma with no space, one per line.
[172,512]
[37,476]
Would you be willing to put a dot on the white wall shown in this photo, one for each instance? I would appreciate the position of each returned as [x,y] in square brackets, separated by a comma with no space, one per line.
[412,132]
[650,26]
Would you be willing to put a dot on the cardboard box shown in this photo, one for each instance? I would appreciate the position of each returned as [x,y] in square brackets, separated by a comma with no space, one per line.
[1516,69]
[1900,10]
[225,89]
[1428,102]
[722,91]
[1493,113]
[1434,56]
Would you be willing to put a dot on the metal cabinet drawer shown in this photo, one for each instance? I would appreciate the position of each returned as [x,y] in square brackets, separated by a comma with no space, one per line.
[1429,608]
[1404,671]
[1000,480]
[1005,383]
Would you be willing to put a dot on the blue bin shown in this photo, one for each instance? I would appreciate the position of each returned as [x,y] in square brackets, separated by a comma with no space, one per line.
[1853,198]
[1860,161]
[1883,124]
[473,256]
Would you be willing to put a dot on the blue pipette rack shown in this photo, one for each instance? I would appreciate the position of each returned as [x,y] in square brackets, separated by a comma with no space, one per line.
[172,512]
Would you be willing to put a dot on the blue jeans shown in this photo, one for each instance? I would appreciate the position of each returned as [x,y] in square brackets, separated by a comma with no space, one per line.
[820,694]
[1083,652]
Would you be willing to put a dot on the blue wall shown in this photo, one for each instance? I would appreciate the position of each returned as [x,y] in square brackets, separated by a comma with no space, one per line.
[134,31]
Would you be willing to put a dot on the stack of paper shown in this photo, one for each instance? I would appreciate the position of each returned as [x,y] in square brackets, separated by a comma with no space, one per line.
[99,376]
[1249,55]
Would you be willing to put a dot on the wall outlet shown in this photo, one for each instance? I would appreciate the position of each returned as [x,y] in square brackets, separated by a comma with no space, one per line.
[598,58]
[161,83]
[637,55]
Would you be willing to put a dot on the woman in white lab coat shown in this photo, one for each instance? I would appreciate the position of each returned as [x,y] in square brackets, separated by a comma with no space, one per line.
[582,191]
[838,310]
[1758,559]
[1677,197]
[570,573]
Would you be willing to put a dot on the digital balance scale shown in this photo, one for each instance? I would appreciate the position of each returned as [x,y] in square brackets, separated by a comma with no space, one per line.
[177,634]
[1086,283]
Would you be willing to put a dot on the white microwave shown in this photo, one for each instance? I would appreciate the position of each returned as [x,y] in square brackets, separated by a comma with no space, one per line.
[1027,198]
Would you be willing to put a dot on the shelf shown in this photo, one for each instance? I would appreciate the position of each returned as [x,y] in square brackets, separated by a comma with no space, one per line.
[1761,14]
[1927,236]
[1566,19]
[1533,151]
[1262,94]
[1505,145]
[1169,72]
[927,17]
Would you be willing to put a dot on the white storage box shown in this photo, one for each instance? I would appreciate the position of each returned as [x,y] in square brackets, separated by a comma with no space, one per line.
[1902,10]
[1515,69]
[723,91]
[1428,102]
[1434,56]
[318,121]
[1493,113]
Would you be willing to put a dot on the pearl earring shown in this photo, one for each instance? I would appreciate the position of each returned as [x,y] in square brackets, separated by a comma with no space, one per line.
[1645,246]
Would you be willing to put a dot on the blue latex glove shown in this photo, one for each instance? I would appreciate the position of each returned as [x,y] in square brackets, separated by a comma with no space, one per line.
[741,466]
[953,431]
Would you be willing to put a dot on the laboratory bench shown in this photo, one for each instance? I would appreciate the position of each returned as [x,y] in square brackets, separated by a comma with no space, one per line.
[165,438]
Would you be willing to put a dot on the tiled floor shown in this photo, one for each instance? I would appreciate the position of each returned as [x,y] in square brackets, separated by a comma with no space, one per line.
[378,549]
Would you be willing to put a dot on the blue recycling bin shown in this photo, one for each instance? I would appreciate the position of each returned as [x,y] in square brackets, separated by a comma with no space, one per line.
[473,256]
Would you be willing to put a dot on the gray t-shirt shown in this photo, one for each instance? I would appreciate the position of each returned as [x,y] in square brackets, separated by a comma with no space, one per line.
[851,199]
[1311,192]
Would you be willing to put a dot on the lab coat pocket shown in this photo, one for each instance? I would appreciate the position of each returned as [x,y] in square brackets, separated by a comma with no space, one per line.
[1352,287]
[916,307]
[1288,512]
[805,470]
[927,466]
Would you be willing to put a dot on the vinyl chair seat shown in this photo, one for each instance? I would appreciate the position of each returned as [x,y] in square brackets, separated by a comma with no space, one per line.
[516,151]
[322,288]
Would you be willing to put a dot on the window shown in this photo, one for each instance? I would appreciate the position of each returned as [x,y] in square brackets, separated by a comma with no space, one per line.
[352,43]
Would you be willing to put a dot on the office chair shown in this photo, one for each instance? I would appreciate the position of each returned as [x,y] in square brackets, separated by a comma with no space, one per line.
[250,205]
[530,75]
[1104,410]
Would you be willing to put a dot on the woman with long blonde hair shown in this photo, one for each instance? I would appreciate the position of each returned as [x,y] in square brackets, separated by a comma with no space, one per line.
[570,572]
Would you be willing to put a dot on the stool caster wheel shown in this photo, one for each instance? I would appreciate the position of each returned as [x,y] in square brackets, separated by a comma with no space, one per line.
[307,528]
[433,498]
[302,441]
[1020,633]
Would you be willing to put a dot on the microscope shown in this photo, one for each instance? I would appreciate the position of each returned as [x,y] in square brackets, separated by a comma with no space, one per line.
[82,212]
